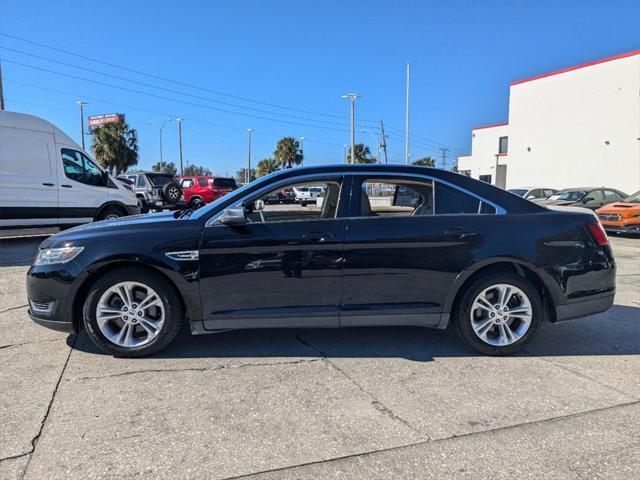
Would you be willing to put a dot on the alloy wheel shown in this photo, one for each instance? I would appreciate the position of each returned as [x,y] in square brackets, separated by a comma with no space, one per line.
[501,314]
[130,314]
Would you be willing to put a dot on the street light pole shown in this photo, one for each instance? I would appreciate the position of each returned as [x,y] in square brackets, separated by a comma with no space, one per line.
[352,98]
[406,135]
[163,125]
[179,121]
[302,151]
[82,104]
[248,176]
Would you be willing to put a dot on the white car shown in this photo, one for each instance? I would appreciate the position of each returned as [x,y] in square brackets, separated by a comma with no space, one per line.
[533,193]
[46,179]
[307,194]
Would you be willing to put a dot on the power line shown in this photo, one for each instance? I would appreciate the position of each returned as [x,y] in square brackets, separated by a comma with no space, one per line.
[175,82]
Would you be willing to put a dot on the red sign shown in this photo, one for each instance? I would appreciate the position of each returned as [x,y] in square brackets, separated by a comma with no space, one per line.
[99,120]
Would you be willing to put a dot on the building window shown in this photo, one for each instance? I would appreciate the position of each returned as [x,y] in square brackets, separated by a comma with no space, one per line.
[503,145]
[485,178]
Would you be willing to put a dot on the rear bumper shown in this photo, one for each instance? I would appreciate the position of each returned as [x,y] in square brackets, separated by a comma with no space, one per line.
[589,306]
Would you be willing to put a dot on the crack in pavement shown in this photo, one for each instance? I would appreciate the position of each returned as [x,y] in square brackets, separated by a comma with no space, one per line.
[14,308]
[434,442]
[194,369]
[377,404]
[31,343]
[34,440]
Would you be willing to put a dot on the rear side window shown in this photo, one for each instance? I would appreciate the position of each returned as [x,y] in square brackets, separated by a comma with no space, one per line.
[80,168]
[225,183]
[396,198]
[203,182]
[451,201]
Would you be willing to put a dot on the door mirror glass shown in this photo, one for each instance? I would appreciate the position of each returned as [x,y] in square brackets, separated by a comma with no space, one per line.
[258,204]
[531,197]
[234,216]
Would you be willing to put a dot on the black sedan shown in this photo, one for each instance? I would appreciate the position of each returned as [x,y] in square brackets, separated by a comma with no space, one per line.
[587,197]
[384,246]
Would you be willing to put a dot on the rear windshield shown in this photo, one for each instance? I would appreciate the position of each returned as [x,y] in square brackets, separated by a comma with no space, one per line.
[225,183]
[159,179]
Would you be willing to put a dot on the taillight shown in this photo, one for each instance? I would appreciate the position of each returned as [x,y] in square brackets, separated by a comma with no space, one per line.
[598,233]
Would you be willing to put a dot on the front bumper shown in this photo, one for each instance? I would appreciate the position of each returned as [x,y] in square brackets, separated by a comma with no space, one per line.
[60,326]
[54,289]
[622,227]
[589,306]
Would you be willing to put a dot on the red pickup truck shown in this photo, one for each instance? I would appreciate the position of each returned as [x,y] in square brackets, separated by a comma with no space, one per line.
[200,190]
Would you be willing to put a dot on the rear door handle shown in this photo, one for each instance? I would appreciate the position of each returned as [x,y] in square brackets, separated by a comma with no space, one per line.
[66,186]
[47,184]
[321,236]
[459,232]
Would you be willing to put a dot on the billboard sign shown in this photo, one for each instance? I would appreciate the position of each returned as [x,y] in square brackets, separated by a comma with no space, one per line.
[100,120]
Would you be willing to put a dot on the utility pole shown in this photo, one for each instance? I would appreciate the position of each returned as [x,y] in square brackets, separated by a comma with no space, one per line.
[444,157]
[302,151]
[1,90]
[344,149]
[352,98]
[406,138]
[161,128]
[383,143]
[248,176]
[179,121]
[82,104]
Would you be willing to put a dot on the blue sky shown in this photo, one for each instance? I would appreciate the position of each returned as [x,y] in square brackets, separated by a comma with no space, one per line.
[303,55]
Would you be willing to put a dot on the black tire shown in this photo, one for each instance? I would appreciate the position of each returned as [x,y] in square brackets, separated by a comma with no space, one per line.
[111,212]
[462,312]
[196,203]
[172,192]
[144,207]
[172,311]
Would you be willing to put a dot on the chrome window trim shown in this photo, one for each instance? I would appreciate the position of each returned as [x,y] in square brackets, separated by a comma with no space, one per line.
[287,181]
[499,210]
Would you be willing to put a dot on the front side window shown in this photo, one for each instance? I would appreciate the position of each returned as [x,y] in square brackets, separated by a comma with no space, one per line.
[611,195]
[595,196]
[187,183]
[280,204]
[80,168]
[140,181]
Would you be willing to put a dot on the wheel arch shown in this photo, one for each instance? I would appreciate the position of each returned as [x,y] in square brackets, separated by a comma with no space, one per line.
[521,268]
[111,203]
[83,290]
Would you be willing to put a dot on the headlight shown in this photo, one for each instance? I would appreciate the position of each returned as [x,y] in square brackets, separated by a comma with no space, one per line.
[49,256]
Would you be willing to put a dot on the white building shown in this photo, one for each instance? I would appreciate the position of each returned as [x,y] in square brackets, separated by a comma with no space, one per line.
[575,127]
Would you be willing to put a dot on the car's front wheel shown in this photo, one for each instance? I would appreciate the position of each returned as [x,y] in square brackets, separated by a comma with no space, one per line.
[132,312]
[498,313]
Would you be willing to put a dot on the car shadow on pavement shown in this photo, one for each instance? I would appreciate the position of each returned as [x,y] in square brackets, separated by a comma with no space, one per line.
[615,332]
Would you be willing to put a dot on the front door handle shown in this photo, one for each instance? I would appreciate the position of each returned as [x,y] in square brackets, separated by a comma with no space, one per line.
[320,236]
[47,184]
[459,232]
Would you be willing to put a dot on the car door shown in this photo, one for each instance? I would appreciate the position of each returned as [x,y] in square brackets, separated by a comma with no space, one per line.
[82,187]
[282,268]
[594,199]
[407,240]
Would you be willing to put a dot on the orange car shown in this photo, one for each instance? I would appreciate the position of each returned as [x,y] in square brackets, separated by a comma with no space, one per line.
[621,217]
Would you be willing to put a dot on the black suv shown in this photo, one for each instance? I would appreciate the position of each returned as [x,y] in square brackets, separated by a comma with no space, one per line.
[155,190]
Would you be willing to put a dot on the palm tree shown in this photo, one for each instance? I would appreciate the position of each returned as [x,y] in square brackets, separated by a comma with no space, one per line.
[266,166]
[115,146]
[362,154]
[287,153]
[424,162]
[166,167]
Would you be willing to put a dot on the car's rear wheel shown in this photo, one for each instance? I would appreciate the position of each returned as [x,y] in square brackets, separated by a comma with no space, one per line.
[132,312]
[196,202]
[498,313]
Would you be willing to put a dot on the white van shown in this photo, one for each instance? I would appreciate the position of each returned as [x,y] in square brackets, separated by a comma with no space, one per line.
[46,179]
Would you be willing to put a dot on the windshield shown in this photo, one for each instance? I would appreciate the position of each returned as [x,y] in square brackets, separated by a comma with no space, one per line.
[569,196]
[159,179]
[517,191]
[635,198]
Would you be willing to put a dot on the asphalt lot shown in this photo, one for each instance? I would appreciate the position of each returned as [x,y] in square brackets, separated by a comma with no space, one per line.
[307,404]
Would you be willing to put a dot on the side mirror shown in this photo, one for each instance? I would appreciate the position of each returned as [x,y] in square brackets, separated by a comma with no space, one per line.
[258,205]
[587,200]
[234,216]
[531,197]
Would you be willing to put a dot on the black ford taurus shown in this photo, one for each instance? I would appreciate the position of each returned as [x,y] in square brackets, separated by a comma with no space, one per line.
[382,245]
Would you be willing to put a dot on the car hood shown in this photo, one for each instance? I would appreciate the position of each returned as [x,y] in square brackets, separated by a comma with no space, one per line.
[133,225]
[621,208]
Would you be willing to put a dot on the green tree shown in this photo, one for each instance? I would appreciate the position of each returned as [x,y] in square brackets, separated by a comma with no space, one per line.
[287,153]
[197,170]
[241,175]
[115,146]
[167,167]
[424,162]
[266,166]
[362,154]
